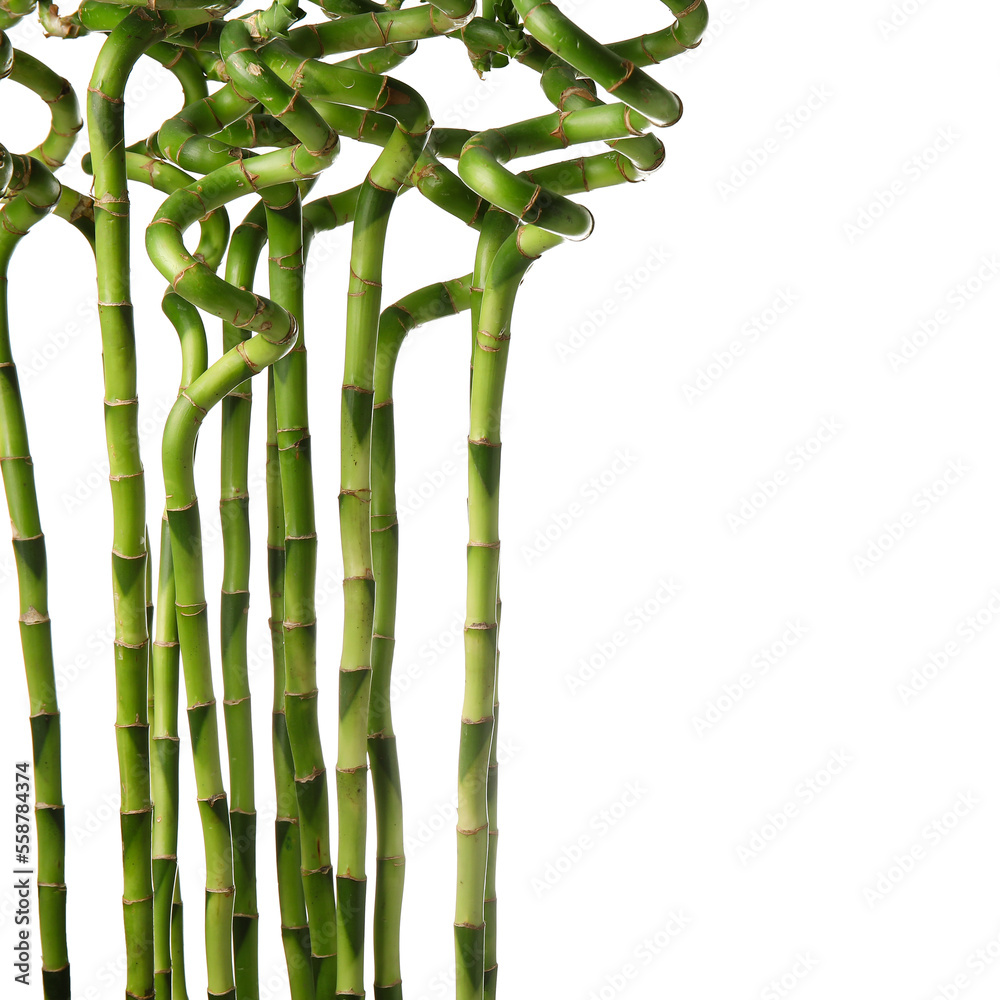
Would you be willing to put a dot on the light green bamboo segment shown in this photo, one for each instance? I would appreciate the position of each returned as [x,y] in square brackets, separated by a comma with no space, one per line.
[375,202]
[447,298]
[34,192]
[106,127]
[489,367]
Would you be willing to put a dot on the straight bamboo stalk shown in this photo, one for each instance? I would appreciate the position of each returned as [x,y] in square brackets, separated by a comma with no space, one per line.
[118,55]
[375,201]
[447,298]
[489,366]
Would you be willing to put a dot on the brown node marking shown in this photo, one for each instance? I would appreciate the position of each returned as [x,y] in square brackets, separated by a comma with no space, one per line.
[33,617]
[471,833]
[629,67]
[121,555]
[241,350]
[683,45]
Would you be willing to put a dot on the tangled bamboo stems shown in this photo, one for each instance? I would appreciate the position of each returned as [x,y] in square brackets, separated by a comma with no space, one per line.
[266,106]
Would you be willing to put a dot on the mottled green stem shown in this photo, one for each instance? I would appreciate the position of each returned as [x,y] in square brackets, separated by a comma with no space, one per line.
[136,32]
[447,298]
[34,193]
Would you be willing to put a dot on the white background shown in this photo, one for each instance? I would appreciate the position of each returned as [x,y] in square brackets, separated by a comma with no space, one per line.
[623,815]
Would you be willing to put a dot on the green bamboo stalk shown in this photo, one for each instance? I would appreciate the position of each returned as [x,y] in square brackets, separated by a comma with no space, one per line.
[184,67]
[435,301]
[164,651]
[244,251]
[64,109]
[34,192]
[364,300]
[490,964]
[298,622]
[615,73]
[106,127]
[291,898]
[164,754]
[168,942]
[234,609]
[492,340]
[284,227]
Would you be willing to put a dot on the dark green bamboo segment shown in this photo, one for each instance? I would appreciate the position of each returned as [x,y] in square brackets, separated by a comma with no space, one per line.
[374,205]
[178,980]
[490,899]
[224,376]
[658,46]
[481,164]
[298,622]
[136,32]
[396,322]
[616,74]
[33,193]
[509,266]
[164,770]
[234,609]
[291,899]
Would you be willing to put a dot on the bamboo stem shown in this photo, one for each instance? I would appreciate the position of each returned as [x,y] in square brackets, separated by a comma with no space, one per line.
[34,192]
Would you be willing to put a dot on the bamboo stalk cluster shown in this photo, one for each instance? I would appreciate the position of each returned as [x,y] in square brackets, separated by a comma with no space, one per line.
[267,105]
